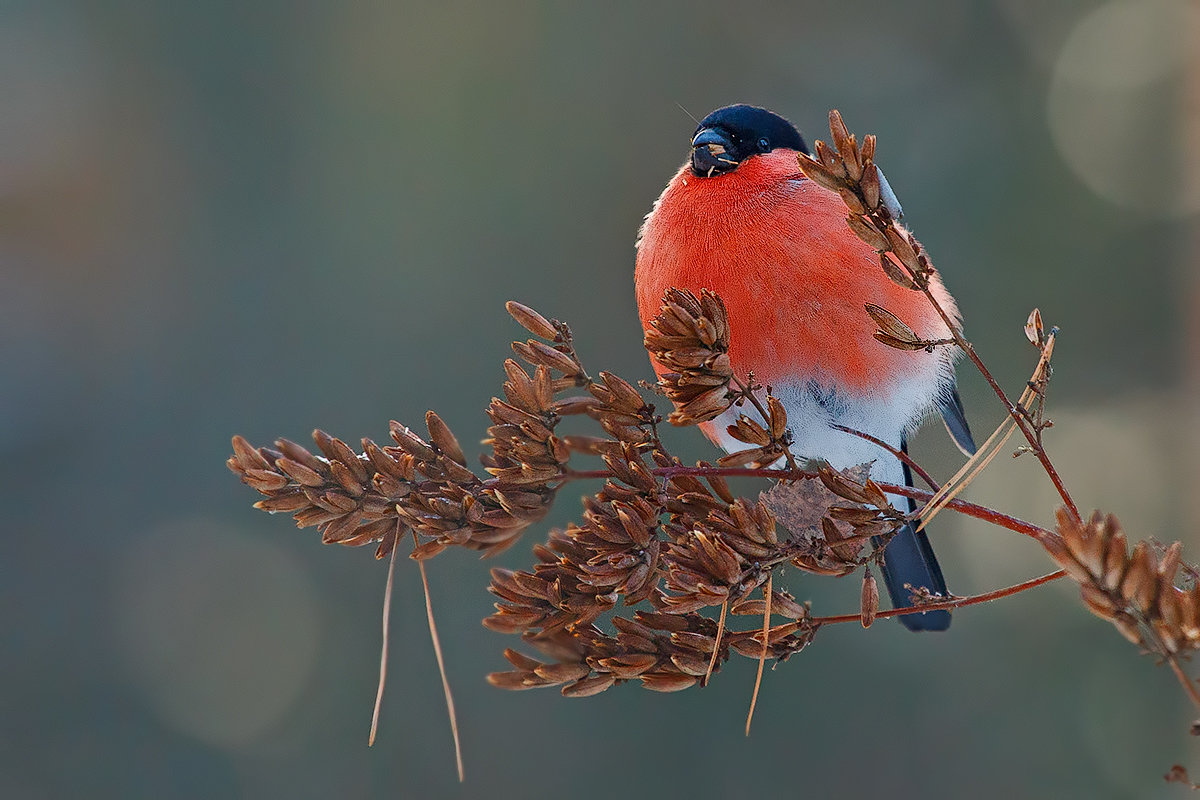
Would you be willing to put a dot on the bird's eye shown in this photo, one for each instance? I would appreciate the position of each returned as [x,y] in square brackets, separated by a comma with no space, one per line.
[764,145]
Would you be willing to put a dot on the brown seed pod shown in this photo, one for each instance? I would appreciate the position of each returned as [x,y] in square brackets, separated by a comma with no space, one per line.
[870,599]
[531,320]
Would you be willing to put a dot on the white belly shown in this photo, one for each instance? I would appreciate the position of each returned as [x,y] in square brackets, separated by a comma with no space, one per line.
[886,414]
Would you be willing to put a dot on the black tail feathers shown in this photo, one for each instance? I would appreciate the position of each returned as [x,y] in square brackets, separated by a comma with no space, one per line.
[909,559]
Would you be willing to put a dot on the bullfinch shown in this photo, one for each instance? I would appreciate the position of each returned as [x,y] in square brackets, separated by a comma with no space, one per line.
[740,218]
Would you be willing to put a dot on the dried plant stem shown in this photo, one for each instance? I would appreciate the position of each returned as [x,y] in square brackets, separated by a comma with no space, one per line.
[712,662]
[899,454]
[842,170]
[762,413]
[968,472]
[703,472]
[975,510]
[1032,436]
[762,659]
[977,463]
[437,651]
[961,602]
[383,656]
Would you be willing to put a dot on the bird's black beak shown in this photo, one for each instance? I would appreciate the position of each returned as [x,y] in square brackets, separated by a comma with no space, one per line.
[712,153]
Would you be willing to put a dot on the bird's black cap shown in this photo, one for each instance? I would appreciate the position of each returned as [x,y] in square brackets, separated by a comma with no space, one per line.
[730,135]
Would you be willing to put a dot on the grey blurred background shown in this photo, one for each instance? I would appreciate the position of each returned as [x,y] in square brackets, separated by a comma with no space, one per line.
[261,217]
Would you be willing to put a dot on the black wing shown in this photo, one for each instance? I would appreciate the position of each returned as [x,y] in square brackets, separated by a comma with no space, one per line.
[955,418]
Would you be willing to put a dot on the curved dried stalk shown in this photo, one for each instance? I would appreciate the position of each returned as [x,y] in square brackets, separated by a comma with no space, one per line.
[437,652]
[383,655]
[762,659]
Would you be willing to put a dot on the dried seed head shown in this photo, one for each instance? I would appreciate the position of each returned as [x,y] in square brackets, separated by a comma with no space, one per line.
[531,320]
[870,599]
[1140,584]
[852,201]
[870,187]
[247,456]
[547,356]
[868,149]
[339,494]
[1033,328]
[895,272]
[829,159]
[890,324]
[898,344]
[819,174]
[443,438]
[748,431]
[838,132]
[867,232]
[690,339]
[842,486]
[904,248]
[849,153]
[1134,590]
[777,416]
[589,686]
[668,681]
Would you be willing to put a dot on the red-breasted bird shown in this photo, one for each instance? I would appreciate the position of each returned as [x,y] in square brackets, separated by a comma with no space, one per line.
[739,218]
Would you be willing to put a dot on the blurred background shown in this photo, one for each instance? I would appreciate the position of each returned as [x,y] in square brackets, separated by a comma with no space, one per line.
[262,217]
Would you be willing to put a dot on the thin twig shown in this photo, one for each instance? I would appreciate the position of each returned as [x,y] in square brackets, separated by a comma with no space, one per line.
[961,602]
[900,454]
[968,472]
[383,656]
[712,662]
[991,447]
[984,513]
[762,659]
[437,651]
[881,220]
[998,518]
[766,418]
[1030,435]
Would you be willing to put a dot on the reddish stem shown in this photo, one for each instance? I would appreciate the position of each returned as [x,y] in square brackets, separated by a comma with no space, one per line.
[1022,423]
[970,509]
[961,602]
[974,510]
[900,454]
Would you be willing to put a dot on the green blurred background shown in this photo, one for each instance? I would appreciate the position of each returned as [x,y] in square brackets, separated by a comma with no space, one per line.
[261,217]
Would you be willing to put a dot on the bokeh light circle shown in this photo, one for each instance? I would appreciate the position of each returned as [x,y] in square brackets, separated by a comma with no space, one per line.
[219,630]
[1116,89]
